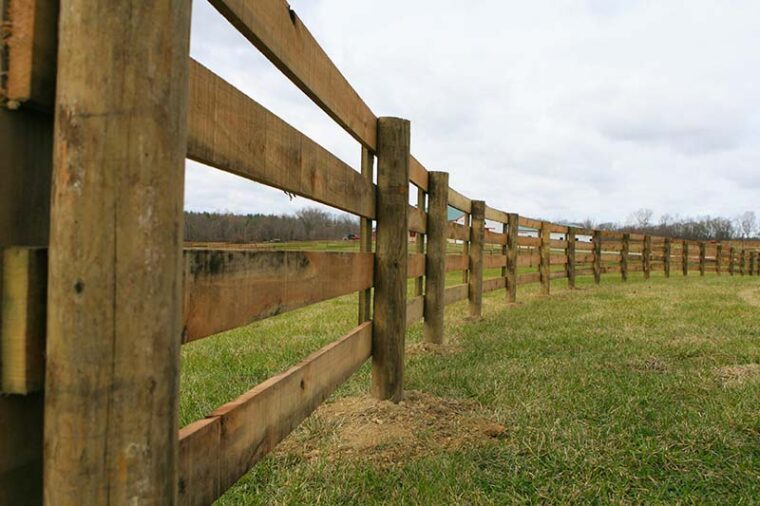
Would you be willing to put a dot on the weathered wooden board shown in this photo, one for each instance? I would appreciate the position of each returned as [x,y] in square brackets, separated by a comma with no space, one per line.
[199,463]
[532,277]
[457,262]
[489,285]
[29,63]
[254,423]
[494,237]
[24,298]
[528,241]
[530,222]
[458,232]
[493,261]
[459,201]
[227,289]
[415,265]
[275,29]
[455,293]
[232,132]
[415,308]
[558,275]
[418,174]
[496,215]
[417,220]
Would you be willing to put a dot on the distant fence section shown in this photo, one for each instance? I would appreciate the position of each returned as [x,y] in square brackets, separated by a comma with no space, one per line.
[102,114]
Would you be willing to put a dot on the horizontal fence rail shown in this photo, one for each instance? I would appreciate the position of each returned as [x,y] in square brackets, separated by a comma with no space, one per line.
[120,294]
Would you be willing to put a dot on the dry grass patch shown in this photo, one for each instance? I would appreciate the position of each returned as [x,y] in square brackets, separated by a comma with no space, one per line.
[385,433]
[432,349]
[736,375]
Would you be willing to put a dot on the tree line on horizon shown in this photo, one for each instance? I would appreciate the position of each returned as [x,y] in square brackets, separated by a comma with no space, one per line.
[310,224]
[313,224]
[702,228]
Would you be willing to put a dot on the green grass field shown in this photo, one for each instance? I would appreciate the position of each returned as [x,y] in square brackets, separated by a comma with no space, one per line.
[645,392]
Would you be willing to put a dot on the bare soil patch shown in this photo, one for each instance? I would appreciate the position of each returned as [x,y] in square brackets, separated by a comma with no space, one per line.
[363,428]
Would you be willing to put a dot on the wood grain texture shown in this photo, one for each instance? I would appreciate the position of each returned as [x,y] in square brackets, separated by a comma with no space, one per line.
[512,260]
[224,289]
[254,423]
[24,294]
[277,31]
[666,252]
[494,238]
[496,215]
[437,261]
[475,280]
[115,276]
[415,266]
[624,256]
[458,232]
[457,262]
[597,244]
[390,259]
[570,253]
[459,201]
[494,261]
[418,174]
[533,277]
[545,255]
[455,293]
[365,235]
[417,220]
[702,254]
[229,131]
[29,37]
[489,285]
[415,309]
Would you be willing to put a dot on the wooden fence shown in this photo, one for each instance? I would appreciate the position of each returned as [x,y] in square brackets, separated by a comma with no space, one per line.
[101,108]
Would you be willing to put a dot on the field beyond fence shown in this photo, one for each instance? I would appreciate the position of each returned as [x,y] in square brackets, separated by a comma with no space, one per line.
[99,293]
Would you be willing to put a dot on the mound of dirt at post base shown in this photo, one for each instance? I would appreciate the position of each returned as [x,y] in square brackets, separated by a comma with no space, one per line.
[363,428]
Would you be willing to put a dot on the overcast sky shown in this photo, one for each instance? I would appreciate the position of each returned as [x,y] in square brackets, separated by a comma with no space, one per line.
[553,109]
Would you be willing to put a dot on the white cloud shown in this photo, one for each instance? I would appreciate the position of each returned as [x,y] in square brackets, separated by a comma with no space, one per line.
[566,109]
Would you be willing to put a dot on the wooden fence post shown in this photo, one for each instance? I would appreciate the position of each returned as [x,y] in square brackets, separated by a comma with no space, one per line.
[115,284]
[666,257]
[419,243]
[731,260]
[570,252]
[752,258]
[389,323]
[646,256]
[475,281]
[624,252]
[365,237]
[512,250]
[544,252]
[718,258]
[597,240]
[741,262]
[702,256]
[435,260]
[685,258]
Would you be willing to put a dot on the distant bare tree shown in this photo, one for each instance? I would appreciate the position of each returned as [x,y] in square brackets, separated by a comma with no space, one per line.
[747,223]
[643,217]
